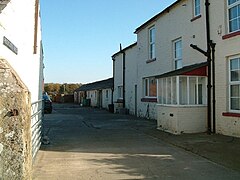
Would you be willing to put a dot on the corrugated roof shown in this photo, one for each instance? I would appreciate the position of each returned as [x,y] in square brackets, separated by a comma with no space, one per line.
[104,84]
[157,16]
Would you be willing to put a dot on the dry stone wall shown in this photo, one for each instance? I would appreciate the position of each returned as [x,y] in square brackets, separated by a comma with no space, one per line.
[15,126]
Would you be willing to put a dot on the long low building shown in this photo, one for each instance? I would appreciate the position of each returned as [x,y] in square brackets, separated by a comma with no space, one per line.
[96,94]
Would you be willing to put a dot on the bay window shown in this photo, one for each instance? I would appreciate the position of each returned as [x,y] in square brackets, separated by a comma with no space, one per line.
[182,90]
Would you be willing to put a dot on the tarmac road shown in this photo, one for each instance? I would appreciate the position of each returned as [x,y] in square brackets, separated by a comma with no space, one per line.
[92,144]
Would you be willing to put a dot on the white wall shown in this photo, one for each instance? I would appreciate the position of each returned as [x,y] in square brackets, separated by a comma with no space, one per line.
[225,48]
[169,27]
[17,24]
[118,75]
[177,120]
[106,100]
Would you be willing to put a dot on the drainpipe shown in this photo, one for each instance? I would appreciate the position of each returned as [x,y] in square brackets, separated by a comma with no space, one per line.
[113,59]
[213,45]
[124,73]
[209,85]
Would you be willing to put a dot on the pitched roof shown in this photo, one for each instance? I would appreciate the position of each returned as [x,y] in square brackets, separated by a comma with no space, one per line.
[98,85]
[166,10]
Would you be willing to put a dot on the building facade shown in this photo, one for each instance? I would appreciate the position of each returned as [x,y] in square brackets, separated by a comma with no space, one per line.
[170,75]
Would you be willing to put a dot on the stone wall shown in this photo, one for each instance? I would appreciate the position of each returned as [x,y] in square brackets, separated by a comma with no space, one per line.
[15,126]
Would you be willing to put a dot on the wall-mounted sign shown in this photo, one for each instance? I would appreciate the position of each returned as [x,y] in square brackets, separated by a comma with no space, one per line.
[10,45]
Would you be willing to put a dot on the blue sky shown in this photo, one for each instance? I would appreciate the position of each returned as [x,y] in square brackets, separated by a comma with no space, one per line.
[80,36]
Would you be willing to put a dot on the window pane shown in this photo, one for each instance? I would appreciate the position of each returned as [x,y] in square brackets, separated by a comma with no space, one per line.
[152,51]
[197,7]
[174,92]
[235,91]
[178,64]
[235,103]
[169,100]
[234,64]
[146,85]
[233,12]
[233,25]
[153,87]
[235,75]
[192,90]
[164,91]
[183,90]
[160,89]
[152,35]
[232,1]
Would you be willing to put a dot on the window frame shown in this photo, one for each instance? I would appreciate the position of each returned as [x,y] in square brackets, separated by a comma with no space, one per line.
[230,82]
[146,87]
[195,6]
[176,59]
[237,3]
[152,42]
[175,88]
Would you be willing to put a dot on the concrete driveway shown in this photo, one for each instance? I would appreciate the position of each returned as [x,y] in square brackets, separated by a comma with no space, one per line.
[92,144]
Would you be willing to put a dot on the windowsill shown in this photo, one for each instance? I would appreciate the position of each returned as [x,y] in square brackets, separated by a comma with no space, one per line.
[151,60]
[148,99]
[196,17]
[229,114]
[230,35]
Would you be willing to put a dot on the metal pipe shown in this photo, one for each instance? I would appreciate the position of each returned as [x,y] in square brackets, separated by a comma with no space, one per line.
[113,77]
[213,45]
[124,76]
[209,85]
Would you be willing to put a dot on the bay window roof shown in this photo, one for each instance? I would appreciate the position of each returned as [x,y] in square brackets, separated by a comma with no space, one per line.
[199,69]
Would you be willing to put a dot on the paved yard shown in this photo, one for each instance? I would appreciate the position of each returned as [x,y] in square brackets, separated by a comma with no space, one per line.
[94,144]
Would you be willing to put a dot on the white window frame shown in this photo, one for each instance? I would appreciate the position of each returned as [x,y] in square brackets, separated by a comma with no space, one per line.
[177,59]
[152,44]
[232,83]
[197,6]
[164,94]
[230,6]
[146,85]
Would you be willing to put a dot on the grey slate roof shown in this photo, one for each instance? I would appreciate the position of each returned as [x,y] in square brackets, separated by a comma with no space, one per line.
[98,85]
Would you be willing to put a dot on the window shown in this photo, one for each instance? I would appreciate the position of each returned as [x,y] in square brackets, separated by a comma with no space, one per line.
[197,8]
[120,92]
[234,85]
[234,15]
[182,90]
[150,87]
[177,54]
[152,37]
